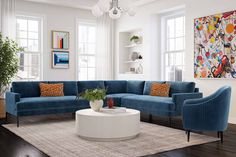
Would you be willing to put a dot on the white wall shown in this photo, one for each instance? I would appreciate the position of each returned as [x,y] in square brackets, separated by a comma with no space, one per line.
[56,18]
[147,18]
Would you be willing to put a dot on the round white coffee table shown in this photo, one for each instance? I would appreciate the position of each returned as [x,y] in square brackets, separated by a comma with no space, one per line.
[103,126]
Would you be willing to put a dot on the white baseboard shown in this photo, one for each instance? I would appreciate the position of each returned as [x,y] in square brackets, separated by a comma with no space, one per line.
[232,120]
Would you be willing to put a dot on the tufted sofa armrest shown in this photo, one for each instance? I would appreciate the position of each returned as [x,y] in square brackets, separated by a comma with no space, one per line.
[11,100]
[179,99]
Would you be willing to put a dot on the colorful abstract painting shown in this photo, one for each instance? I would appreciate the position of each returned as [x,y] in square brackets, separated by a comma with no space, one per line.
[60,40]
[215,46]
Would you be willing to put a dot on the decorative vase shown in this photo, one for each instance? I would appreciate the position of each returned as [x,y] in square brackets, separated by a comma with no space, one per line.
[110,103]
[96,105]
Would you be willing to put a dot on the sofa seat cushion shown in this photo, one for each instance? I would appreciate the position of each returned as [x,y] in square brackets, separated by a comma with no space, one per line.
[149,104]
[83,104]
[117,98]
[35,103]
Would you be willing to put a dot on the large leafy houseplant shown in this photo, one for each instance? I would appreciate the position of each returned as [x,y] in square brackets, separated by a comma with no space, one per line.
[8,61]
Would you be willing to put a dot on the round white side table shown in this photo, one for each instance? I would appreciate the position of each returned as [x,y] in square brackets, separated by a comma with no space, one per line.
[103,126]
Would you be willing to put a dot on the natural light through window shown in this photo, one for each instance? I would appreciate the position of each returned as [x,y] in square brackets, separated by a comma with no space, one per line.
[174,47]
[86,51]
[28,36]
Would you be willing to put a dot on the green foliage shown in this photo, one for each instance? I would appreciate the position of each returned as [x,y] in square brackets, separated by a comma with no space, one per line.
[8,61]
[134,37]
[94,94]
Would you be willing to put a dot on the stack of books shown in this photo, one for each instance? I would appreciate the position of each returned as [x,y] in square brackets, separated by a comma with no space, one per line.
[114,110]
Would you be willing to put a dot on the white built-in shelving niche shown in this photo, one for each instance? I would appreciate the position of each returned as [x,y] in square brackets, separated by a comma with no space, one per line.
[127,65]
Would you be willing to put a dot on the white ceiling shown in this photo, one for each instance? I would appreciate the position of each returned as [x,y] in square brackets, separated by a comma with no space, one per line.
[84,4]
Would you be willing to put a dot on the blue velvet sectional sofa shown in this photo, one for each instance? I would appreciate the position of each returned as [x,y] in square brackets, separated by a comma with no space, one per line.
[24,98]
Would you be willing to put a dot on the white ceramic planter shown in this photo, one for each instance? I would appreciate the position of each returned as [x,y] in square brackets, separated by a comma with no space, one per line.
[96,105]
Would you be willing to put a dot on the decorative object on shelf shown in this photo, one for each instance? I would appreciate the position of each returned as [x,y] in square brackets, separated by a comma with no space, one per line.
[114,8]
[139,69]
[60,40]
[60,59]
[132,70]
[110,103]
[134,56]
[135,39]
[140,57]
[214,46]
[95,97]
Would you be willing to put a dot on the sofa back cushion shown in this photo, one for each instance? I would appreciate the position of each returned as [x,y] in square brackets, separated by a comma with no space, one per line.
[69,87]
[83,85]
[135,87]
[181,87]
[117,86]
[27,89]
[147,86]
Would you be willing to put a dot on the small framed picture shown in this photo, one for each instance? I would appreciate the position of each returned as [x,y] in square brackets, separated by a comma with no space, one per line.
[60,59]
[60,40]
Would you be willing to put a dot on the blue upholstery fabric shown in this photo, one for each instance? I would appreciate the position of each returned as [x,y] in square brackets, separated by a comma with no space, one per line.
[149,104]
[46,102]
[117,98]
[11,100]
[179,99]
[181,87]
[26,89]
[148,85]
[135,87]
[83,85]
[83,104]
[209,113]
[196,90]
[70,87]
[25,97]
[113,87]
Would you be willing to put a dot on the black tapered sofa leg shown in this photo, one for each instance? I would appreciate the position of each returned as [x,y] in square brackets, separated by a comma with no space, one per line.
[170,121]
[221,136]
[218,134]
[188,134]
[150,118]
[6,118]
[17,121]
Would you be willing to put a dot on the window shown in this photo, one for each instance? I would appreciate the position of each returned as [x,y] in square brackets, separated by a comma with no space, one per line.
[28,36]
[173,46]
[86,51]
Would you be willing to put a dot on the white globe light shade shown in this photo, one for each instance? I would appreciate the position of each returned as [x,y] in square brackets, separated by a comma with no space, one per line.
[96,11]
[104,5]
[132,11]
[115,13]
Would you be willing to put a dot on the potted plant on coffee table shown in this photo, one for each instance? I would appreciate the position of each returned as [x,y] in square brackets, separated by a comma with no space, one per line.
[95,97]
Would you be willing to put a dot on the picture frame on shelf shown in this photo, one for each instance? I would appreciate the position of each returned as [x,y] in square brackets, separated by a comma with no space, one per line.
[60,40]
[60,59]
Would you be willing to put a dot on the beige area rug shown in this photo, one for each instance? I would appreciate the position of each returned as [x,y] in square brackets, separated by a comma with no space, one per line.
[58,139]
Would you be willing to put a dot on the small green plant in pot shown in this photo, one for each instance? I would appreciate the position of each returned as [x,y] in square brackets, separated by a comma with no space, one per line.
[95,97]
[135,39]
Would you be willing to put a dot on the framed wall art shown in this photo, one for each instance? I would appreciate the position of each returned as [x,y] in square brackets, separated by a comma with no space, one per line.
[60,40]
[215,46]
[60,59]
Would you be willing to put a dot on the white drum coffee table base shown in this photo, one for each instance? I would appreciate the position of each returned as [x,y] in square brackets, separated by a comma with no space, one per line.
[102,126]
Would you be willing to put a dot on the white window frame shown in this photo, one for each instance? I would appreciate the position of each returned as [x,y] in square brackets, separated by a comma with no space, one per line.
[164,43]
[40,19]
[85,22]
